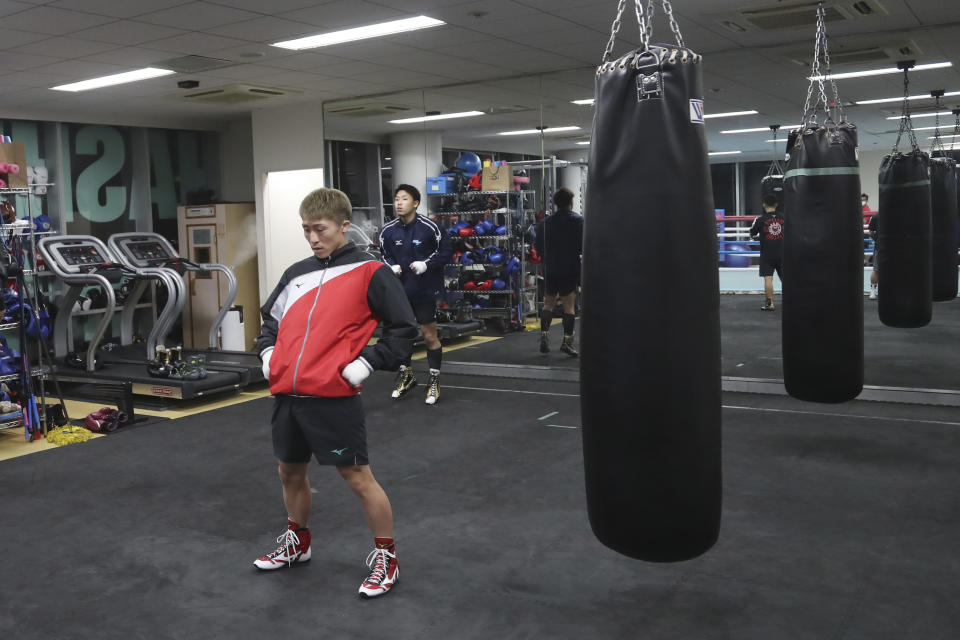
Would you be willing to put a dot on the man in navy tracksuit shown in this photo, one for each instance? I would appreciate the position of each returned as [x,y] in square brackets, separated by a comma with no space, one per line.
[416,248]
[560,241]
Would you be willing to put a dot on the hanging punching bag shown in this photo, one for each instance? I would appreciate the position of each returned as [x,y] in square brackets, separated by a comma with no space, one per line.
[822,322]
[943,194]
[650,363]
[903,240]
[772,185]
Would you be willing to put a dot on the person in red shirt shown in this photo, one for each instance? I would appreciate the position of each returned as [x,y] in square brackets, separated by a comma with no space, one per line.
[769,228]
[314,345]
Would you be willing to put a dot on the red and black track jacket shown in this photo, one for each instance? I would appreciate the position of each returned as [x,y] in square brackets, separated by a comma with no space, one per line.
[321,316]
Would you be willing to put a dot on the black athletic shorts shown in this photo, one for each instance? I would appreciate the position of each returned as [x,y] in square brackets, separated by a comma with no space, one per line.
[330,429]
[769,265]
[562,284]
[425,311]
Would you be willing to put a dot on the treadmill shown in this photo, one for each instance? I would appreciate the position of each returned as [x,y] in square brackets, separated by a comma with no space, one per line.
[81,260]
[148,250]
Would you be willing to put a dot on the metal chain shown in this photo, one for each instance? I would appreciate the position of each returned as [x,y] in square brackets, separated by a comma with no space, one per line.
[956,129]
[937,139]
[837,104]
[906,122]
[668,9]
[613,30]
[645,21]
[646,25]
[810,112]
[775,167]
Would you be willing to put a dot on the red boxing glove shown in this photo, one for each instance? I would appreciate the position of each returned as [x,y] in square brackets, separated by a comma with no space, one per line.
[470,286]
[466,231]
[486,286]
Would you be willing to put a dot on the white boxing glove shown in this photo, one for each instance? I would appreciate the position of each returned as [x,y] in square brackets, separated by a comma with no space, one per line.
[265,357]
[418,267]
[396,269]
[356,372]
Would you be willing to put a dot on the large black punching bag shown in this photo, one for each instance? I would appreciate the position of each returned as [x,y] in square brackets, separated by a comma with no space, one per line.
[822,325]
[902,252]
[650,341]
[822,321]
[943,193]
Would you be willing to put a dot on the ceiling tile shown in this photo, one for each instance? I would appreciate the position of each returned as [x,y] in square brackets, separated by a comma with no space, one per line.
[122,9]
[83,69]
[30,78]
[10,38]
[8,7]
[52,21]
[66,47]
[272,7]
[264,29]
[13,60]
[127,32]
[194,43]
[197,16]
[131,56]
[345,13]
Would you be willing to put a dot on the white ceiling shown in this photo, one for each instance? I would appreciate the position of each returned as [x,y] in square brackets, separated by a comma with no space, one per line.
[553,44]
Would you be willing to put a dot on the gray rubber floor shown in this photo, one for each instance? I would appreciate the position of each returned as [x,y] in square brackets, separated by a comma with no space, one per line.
[839,522]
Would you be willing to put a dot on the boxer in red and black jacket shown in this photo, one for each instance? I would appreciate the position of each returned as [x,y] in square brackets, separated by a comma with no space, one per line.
[316,326]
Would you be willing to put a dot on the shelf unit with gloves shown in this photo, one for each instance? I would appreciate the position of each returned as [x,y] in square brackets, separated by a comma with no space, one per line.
[489,266]
[18,263]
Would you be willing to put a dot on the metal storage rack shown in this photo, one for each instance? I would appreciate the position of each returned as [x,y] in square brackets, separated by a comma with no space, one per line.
[505,307]
[39,371]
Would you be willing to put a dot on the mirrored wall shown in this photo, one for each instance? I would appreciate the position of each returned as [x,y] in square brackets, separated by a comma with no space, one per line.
[539,126]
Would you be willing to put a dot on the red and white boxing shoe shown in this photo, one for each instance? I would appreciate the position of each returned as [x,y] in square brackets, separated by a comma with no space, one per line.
[293,549]
[384,572]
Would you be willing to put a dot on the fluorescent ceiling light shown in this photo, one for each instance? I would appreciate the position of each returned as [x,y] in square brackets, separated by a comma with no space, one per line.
[117,78]
[730,114]
[584,142]
[880,72]
[923,115]
[360,33]
[941,137]
[439,116]
[528,132]
[723,153]
[585,101]
[778,140]
[924,96]
[759,129]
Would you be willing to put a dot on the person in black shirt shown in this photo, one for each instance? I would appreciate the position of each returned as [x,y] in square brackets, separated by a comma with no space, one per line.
[769,228]
[559,240]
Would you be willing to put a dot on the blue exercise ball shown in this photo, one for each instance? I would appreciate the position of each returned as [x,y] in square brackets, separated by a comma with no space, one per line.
[737,259]
[470,163]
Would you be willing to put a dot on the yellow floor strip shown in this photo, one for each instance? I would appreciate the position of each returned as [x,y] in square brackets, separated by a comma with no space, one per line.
[421,352]
[13,444]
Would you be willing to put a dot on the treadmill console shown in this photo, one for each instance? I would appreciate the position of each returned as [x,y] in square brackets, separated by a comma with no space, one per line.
[146,252]
[81,257]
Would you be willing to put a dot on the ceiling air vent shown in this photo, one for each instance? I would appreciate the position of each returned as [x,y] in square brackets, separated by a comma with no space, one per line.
[367,109]
[797,14]
[234,94]
[859,52]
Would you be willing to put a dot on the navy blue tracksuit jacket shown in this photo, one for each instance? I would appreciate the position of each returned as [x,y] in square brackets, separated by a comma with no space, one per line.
[423,240]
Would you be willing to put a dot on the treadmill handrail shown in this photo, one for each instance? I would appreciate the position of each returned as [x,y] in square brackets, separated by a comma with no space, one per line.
[232,284]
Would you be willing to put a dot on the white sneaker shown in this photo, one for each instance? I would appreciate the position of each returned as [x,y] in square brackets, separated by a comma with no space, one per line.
[873,292]
[433,387]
